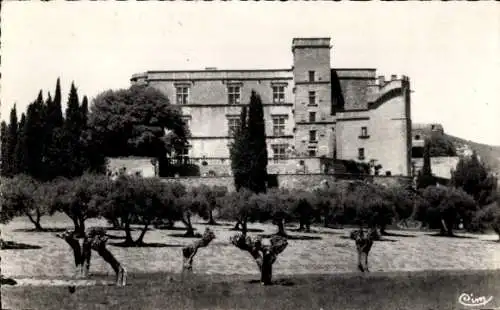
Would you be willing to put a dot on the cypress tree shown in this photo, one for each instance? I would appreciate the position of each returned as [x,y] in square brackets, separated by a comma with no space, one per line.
[56,111]
[20,150]
[4,159]
[239,164]
[12,137]
[257,146]
[425,177]
[34,134]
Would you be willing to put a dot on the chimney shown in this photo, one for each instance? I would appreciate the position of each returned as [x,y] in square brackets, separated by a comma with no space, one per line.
[381,80]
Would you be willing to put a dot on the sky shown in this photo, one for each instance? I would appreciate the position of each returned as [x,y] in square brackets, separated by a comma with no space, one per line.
[450,50]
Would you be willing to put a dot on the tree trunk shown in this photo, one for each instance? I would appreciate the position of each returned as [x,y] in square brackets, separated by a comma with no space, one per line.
[211,220]
[189,226]
[128,235]
[444,228]
[382,230]
[143,232]
[244,228]
[266,271]
[36,222]
[237,225]
[121,273]
[281,228]
[81,221]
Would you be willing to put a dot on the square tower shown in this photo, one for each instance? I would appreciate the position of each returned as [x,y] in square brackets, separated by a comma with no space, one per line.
[314,129]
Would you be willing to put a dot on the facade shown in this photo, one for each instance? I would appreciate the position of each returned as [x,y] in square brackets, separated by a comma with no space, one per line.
[312,112]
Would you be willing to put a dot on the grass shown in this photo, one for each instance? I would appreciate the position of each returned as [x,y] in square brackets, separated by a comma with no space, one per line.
[416,290]
[411,273]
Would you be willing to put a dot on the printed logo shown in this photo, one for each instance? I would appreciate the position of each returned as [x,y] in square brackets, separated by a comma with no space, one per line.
[469,300]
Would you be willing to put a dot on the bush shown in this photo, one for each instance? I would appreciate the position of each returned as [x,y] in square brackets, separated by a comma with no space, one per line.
[445,206]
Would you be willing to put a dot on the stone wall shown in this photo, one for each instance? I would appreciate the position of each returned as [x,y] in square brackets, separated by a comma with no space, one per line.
[292,181]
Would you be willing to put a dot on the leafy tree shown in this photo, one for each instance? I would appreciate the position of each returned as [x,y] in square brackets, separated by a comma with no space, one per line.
[276,205]
[242,207]
[445,206]
[329,204]
[144,200]
[209,200]
[440,145]
[20,196]
[187,206]
[134,122]
[369,205]
[80,198]
[475,179]
[488,217]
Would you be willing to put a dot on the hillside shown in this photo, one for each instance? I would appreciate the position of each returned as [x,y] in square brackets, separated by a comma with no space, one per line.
[488,153]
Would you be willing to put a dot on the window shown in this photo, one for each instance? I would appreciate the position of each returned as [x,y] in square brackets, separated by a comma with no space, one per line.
[233,94]
[361,153]
[233,123]
[278,94]
[182,94]
[311,76]
[279,125]
[279,151]
[364,131]
[312,136]
[417,137]
[312,117]
[312,98]
[312,153]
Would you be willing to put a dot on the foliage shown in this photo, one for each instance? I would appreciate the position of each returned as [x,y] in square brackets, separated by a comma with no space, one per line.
[145,200]
[241,207]
[275,205]
[488,217]
[238,154]
[209,200]
[5,160]
[329,204]
[355,167]
[474,178]
[445,206]
[134,121]
[9,143]
[80,198]
[21,195]
[440,145]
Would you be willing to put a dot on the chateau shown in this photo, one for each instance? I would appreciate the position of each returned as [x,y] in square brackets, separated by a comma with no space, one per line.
[314,114]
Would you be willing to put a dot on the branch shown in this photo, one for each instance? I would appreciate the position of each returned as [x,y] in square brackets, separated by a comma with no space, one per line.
[257,249]
[190,251]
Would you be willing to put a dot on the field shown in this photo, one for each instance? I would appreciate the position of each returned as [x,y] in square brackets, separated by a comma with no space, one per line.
[316,270]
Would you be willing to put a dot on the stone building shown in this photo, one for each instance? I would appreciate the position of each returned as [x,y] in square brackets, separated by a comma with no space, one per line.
[313,112]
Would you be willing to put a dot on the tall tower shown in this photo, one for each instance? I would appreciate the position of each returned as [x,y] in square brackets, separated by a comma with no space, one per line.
[312,106]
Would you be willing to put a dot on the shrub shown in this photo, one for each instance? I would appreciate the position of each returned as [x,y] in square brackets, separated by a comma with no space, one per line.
[445,206]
